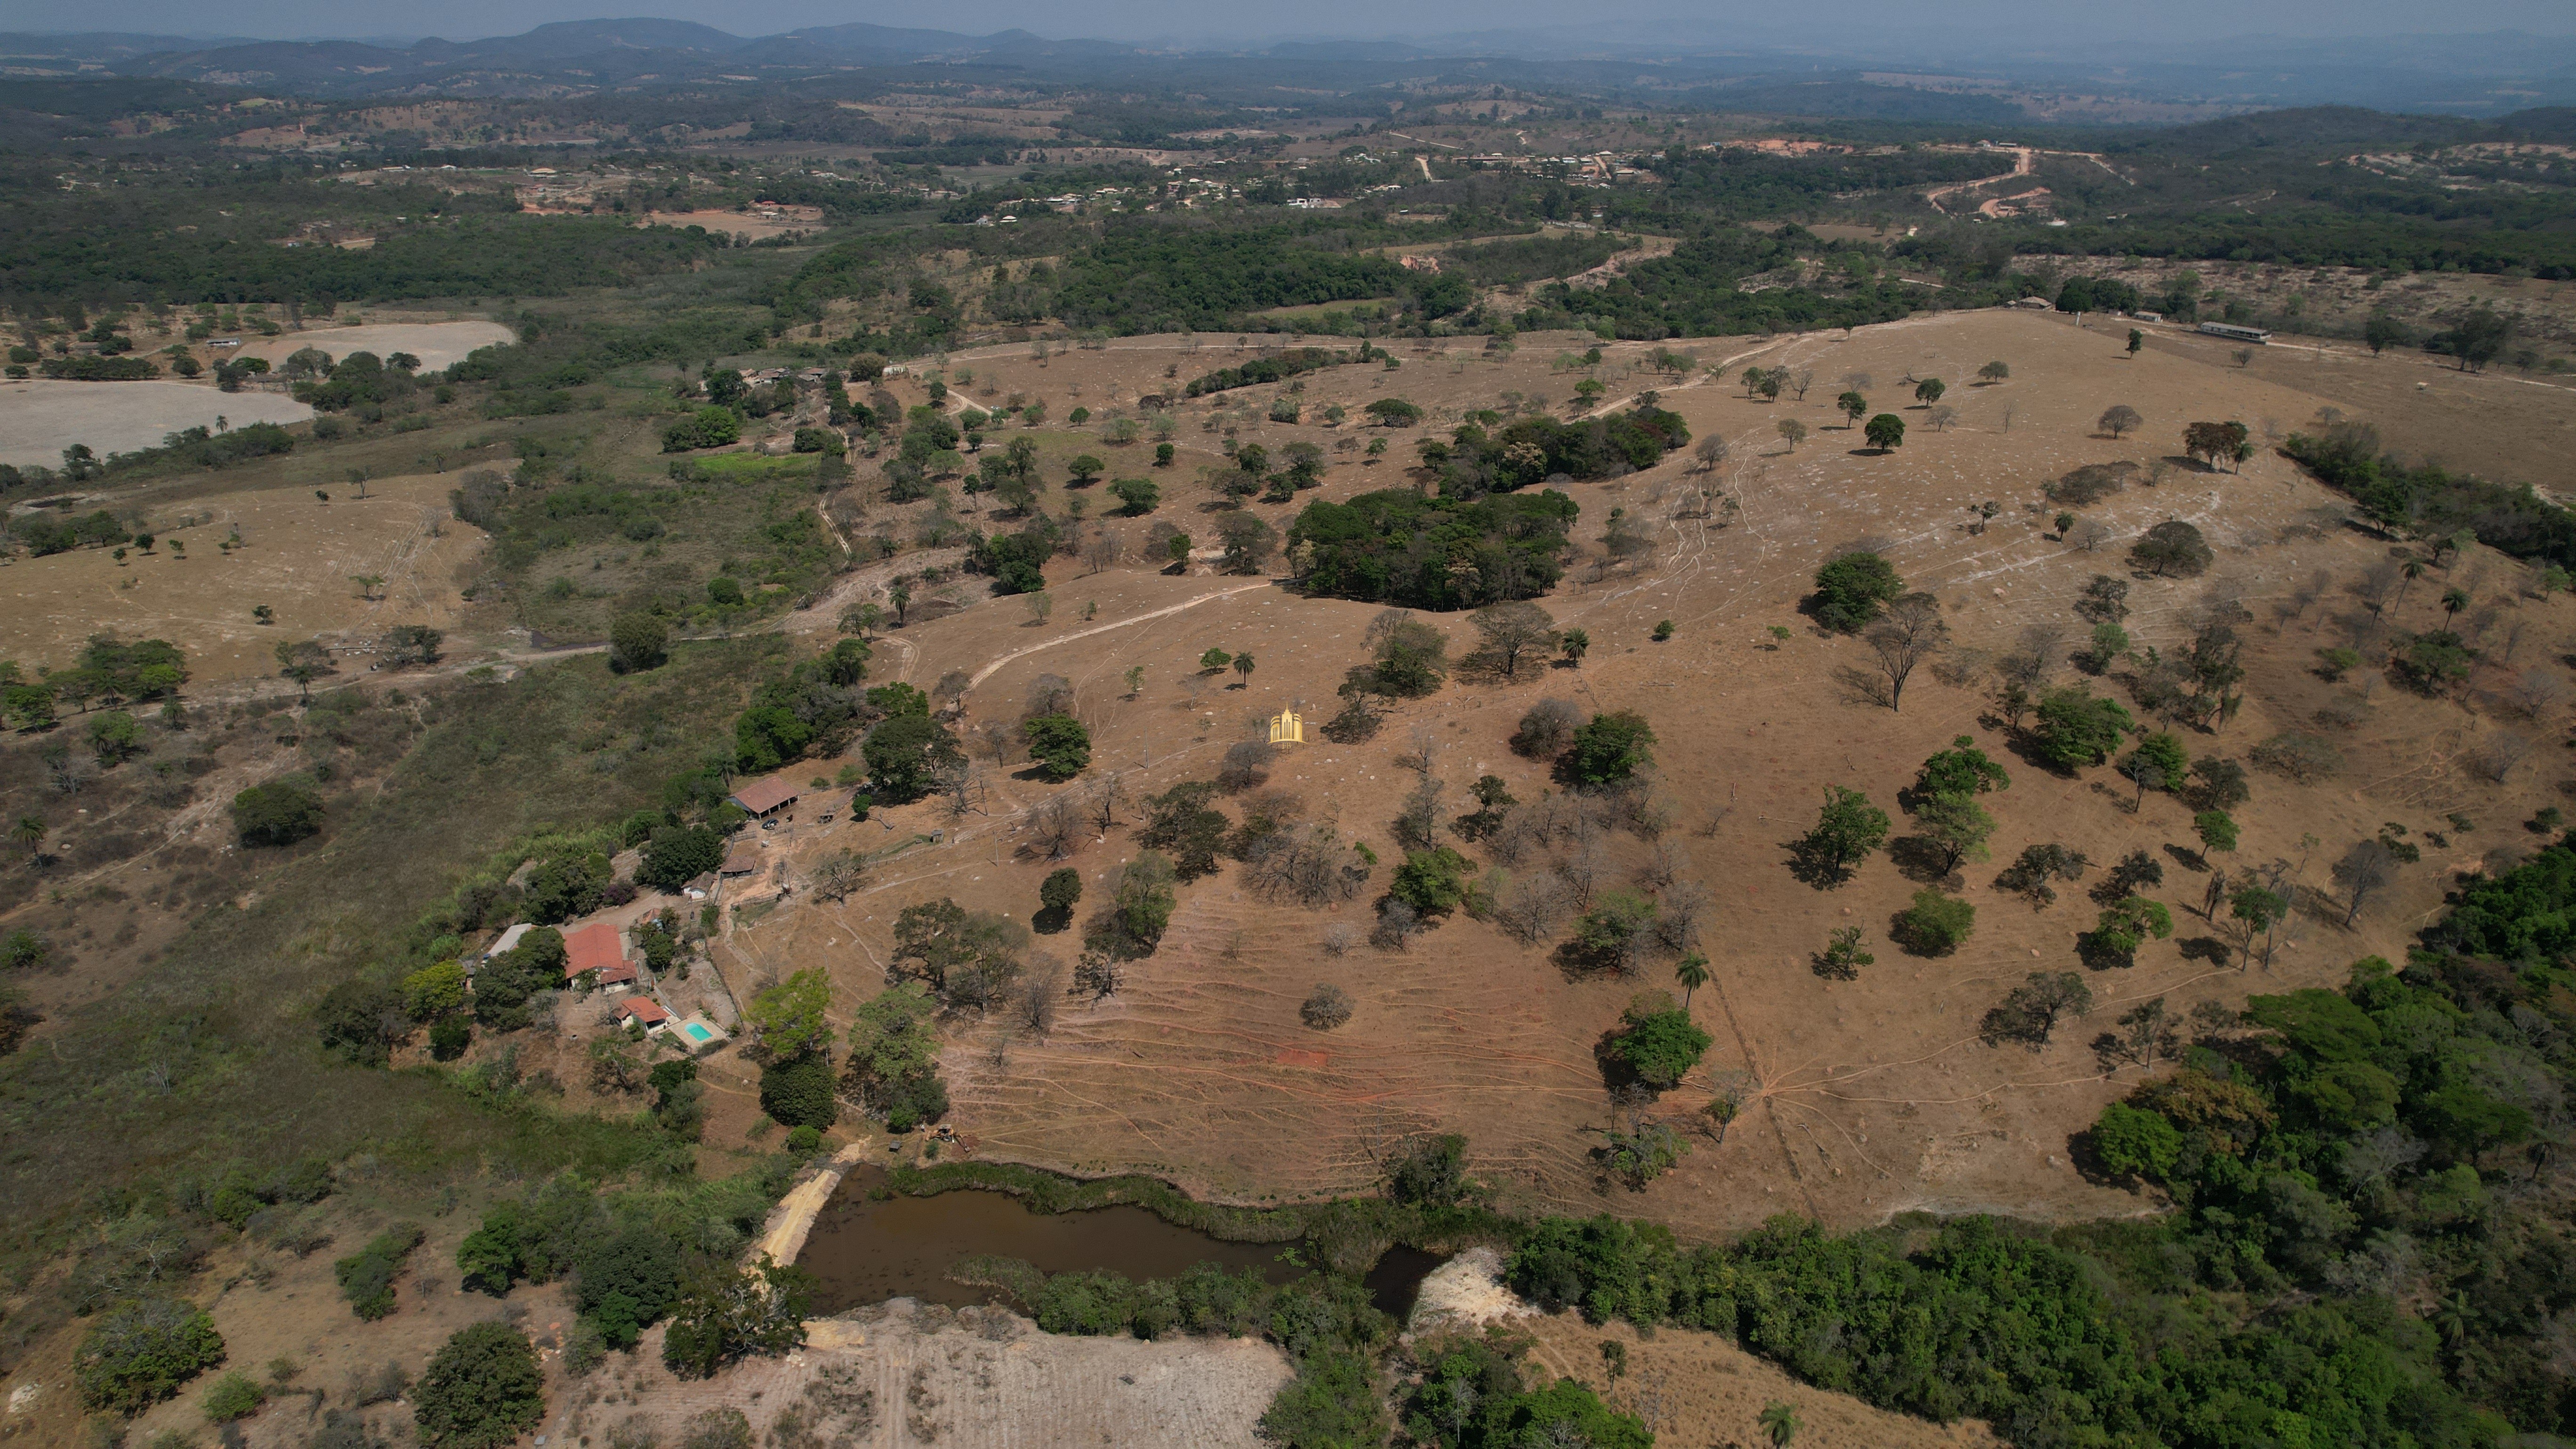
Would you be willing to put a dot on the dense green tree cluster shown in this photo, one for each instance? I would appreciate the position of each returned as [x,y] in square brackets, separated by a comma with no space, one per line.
[1487,455]
[2430,501]
[1433,553]
[1278,368]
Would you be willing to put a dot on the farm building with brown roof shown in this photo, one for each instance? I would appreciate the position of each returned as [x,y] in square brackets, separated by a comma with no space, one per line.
[762,796]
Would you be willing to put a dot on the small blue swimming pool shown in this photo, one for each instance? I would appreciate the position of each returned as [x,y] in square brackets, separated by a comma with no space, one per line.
[696,1032]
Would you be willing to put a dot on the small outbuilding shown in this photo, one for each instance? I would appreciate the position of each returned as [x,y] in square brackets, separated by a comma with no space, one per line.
[742,860]
[643,1009]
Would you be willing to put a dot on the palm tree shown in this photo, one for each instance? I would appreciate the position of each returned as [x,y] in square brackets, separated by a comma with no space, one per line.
[1780,1421]
[29,832]
[2453,601]
[1692,974]
[2414,570]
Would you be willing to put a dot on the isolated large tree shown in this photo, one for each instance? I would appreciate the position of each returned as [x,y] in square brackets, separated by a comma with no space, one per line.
[1910,632]
[1511,636]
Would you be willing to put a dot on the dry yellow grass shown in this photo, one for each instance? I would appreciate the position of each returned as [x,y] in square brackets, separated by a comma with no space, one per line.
[299,556]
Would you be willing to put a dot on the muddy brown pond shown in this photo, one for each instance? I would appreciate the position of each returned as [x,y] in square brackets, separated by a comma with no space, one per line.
[865,1251]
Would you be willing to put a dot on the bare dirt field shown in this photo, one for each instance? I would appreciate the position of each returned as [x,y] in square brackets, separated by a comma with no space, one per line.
[41,417]
[735,223]
[436,344]
[1875,1095]
[900,1375]
[298,555]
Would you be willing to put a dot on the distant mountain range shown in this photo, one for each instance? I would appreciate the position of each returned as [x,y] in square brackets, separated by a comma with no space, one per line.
[577,53]
[2452,74]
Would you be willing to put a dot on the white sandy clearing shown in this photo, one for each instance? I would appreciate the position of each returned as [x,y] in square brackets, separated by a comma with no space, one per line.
[1466,1292]
[39,419]
[436,344]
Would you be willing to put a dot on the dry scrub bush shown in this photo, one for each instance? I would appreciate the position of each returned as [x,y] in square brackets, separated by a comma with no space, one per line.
[1307,864]
[1245,765]
[1339,938]
[2091,483]
[1679,910]
[1547,728]
[2497,758]
[1397,924]
[1040,993]
[1529,907]
[1328,1008]
[1053,828]
[2536,694]
[2294,756]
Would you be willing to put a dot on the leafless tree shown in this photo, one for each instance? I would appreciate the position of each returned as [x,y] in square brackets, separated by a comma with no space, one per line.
[2378,584]
[1397,924]
[1102,801]
[1048,694]
[996,738]
[1041,993]
[1418,826]
[1246,764]
[1511,635]
[1104,550]
[2501,754]
[1309,864]
[1339,938]
[1799,379]
[1680,909]
[1663,865]
[2365,868]
[1582,869]
[1910,632]
[1054,828]
[2537,694]
[840,875]
[952,685]
[2091,534]
[1531,905]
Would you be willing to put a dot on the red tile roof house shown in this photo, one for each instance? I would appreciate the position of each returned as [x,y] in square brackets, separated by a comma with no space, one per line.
[759,798]
[596,951]
[645,1010]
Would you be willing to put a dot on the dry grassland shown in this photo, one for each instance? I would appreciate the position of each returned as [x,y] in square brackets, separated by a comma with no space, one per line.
[299,557]
[1875,1096]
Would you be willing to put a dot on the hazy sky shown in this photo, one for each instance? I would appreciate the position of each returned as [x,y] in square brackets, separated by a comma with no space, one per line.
[2007,25]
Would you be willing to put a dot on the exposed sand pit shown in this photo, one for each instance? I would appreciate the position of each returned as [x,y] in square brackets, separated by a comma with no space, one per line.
[40,418]
[436,344]
[300,556]
[1466,1292]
